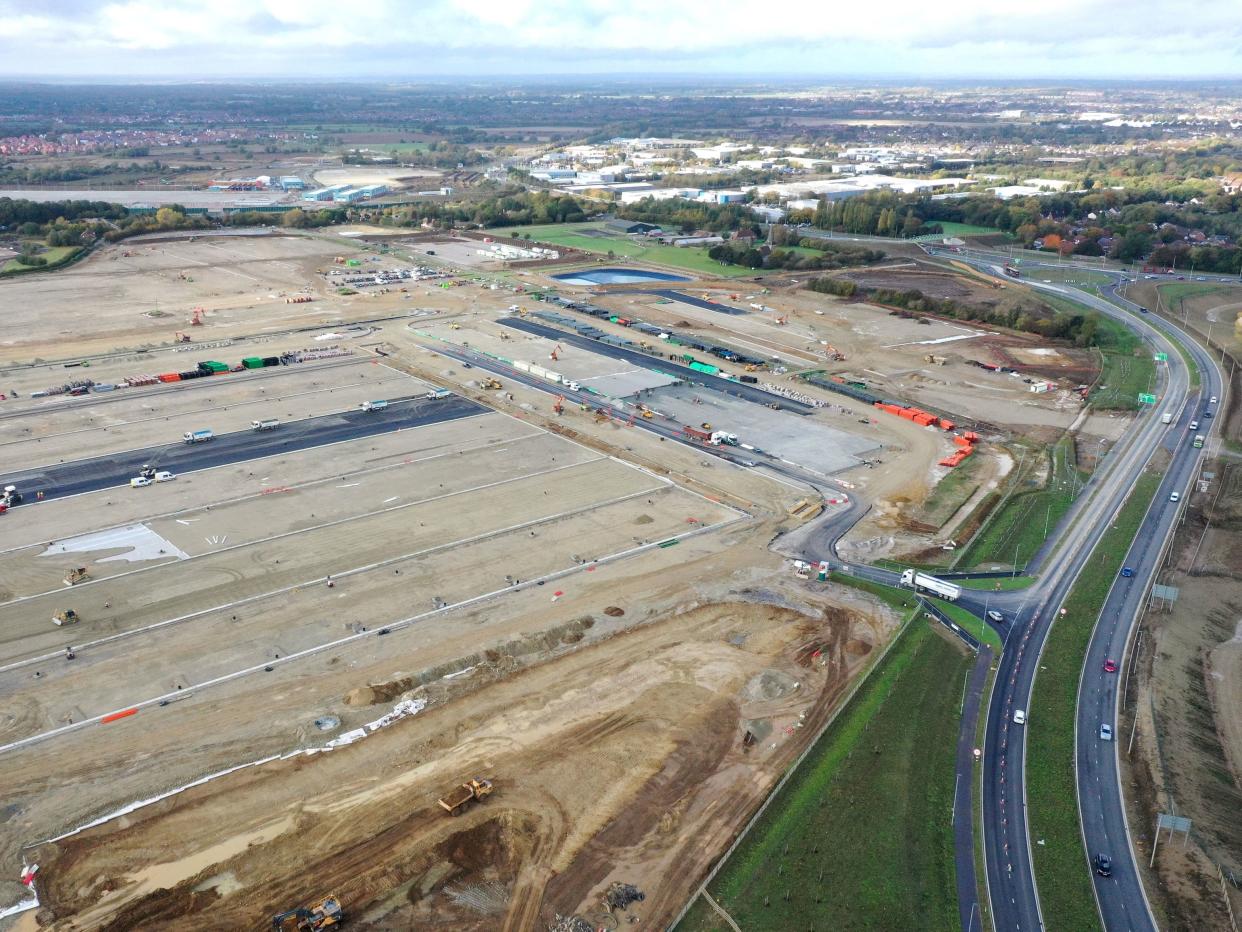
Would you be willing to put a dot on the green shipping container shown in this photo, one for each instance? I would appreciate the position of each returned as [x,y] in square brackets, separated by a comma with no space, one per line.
[215,366]
[252,362]
[704,367]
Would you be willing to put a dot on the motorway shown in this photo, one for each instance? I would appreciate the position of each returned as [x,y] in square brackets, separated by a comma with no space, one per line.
[115,470]
[1011,881]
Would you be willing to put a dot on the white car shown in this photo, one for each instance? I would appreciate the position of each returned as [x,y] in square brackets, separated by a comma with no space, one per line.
[165,476]
[1175,496]
[1213,401]
[995,615]
[138,482]
[1106,732]
[1019,716]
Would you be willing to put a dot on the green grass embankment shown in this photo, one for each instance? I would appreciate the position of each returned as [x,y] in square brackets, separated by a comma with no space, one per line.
[861,836]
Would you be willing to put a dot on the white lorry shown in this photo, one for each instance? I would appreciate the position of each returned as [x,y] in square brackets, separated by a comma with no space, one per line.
[373,405]
[438,394]
[267,423]
[1166,418]
[921,582]
[197,436]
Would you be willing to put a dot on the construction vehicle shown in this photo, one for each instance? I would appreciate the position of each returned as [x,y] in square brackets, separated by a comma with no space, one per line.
[196,317]
[455,803]
[935,360]
[10,497]
[323,915]
[76,575]
[556,351]
[559,405]
[67,617]
[490,384]
[373,405]
[783,320]
[194,436]
[180,337]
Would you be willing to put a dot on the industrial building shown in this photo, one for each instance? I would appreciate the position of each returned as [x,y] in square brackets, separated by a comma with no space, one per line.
[291,183]
[324,194]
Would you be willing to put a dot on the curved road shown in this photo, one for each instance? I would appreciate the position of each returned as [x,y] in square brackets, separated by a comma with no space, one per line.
[1011,881]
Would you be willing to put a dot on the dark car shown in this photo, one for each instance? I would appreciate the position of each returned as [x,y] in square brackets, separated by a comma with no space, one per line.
[1127,572]
[1103,865]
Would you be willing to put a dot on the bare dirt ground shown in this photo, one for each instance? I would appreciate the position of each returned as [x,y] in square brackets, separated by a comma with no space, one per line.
[1188,756]
[621,760]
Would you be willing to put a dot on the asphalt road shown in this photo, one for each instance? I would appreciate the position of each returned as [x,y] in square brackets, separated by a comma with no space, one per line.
[716,306]
[104,472]
[727,386]
[1011,881]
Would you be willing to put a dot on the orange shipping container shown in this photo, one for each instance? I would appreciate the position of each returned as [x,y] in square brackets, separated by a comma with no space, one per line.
[170,377]
[946,424]
[961,441]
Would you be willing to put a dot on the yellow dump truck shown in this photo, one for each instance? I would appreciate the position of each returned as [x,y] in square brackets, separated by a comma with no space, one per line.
[455,803]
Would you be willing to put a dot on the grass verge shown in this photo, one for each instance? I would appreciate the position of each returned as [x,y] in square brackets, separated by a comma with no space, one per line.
[969,623]
[861,837]
[1018,528]
[1060,862]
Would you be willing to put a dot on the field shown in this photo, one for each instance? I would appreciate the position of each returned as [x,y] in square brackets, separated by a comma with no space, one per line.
[860,837]
[1042,491]
[1064,884]
[980,630]
[55,256]
[691,258]
[966,229]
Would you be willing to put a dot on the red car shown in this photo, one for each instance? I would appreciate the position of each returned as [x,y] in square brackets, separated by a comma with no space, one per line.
[1110,666]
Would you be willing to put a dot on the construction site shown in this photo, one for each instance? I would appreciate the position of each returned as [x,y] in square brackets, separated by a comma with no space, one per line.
[452,603]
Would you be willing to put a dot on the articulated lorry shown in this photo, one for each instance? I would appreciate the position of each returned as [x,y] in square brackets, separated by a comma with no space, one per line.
[921,582]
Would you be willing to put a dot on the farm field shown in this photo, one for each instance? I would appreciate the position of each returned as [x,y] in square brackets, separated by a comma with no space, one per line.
[691,258]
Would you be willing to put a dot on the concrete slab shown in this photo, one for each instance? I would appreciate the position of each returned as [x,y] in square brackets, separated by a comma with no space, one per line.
[802,440]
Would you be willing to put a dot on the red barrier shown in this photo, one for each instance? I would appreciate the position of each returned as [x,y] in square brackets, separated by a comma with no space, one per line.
[117,715]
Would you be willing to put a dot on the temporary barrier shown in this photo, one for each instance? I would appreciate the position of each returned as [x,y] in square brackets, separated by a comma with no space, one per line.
[114,716]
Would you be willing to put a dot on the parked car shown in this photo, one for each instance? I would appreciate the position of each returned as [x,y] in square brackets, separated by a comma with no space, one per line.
[1106,732]
[1019,716]
[1110,666]
[1103,865]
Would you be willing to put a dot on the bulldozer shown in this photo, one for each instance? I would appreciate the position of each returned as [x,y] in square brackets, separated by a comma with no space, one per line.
[323,915]
[490,384]
[454,803]
[76,575]
[67,617]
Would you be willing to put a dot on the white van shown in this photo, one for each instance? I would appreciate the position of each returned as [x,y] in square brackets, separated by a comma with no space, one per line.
[138,482]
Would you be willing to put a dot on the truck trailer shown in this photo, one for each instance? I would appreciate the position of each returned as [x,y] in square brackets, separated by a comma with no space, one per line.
[921,582]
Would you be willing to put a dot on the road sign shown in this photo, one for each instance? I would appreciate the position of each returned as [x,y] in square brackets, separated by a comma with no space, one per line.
[1161,357]
[1146,399]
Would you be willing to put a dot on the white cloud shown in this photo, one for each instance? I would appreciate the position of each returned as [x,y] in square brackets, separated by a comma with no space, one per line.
[497,36]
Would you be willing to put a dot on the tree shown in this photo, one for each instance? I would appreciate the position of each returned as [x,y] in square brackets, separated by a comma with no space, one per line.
[295,218]
[167,217]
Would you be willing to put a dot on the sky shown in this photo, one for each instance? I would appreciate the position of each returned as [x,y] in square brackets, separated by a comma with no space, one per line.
[387,39]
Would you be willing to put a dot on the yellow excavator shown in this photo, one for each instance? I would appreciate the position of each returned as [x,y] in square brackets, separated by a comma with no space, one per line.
[490,384]
[67,617]
[323,915]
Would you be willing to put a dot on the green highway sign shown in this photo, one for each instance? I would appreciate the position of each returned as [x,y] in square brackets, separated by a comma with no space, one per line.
[1161,357]
[1145,399]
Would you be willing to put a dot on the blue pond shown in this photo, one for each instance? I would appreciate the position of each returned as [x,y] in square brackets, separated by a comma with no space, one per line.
[616,277]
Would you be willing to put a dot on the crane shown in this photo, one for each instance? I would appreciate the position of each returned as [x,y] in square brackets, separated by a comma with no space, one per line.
[555,351]
[559,405]
[196,317]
